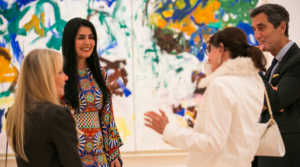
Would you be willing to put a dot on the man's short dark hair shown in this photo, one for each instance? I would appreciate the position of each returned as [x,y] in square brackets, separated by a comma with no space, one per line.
[275,13]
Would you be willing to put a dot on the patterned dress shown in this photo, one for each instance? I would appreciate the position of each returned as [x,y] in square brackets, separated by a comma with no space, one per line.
[99,145]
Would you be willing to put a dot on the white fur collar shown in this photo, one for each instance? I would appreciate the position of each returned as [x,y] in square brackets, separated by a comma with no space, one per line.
[237,66]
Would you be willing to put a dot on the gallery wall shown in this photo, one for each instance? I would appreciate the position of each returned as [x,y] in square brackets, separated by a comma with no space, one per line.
[131,158]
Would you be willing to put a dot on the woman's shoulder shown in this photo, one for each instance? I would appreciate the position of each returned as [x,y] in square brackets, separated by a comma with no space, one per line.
[50,108]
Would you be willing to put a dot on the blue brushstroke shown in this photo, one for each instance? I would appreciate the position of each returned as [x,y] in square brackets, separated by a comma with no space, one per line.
[179,14]
[54,33]
[108,2]
[181,112]
[24,2]
[123,87]
[222,12]
[111,45]
[3,43]
[199,50]
[16,48]
[1,115]
[126,91]
[249,32]
[199,73]
[3,5]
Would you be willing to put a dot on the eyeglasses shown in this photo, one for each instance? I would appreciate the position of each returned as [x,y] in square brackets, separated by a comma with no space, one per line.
[208,49]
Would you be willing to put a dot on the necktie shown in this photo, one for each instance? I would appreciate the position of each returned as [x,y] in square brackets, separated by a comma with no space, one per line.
[271,68]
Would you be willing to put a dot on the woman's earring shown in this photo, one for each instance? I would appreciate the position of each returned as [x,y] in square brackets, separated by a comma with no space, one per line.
[219,61]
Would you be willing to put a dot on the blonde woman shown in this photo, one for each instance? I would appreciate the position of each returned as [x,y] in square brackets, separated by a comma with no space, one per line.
[39,130]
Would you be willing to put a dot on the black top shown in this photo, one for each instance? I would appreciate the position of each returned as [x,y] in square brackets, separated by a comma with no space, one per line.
[50,138]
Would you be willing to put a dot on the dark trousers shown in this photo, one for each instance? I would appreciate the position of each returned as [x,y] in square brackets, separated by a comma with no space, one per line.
[291,157]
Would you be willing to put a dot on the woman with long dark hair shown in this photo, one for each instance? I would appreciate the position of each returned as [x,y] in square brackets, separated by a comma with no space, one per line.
[88,96]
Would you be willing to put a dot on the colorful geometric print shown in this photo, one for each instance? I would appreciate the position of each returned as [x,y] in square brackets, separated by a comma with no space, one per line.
[81,143]
[99,144]
[87,120]
[90,94]
[93,154]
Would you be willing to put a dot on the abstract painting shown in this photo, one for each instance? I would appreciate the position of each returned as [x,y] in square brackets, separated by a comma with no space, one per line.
[153,51]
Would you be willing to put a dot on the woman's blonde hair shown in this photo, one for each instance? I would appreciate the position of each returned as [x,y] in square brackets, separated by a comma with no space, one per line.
[36,84]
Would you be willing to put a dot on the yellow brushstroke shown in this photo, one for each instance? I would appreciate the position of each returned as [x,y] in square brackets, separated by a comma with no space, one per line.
[160,5]
[190,114]
[186,26]
[181,121]
[180,4]
[42,18]
[176,26]
[197,39]
[193,2]
[35,23]
[206,15]
[189,29]
[168,13]
[133,117]
[8,72]
[8,101]
[157,20]
[123,128]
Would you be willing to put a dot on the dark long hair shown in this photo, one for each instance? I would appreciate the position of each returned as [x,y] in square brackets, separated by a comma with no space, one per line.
[71,66]
[235,40]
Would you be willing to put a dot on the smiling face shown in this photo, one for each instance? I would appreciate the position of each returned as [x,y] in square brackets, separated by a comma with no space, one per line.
[60,80]
[84,42]
[266,34]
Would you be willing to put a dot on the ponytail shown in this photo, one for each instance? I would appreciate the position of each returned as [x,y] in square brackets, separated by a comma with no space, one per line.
[257,57]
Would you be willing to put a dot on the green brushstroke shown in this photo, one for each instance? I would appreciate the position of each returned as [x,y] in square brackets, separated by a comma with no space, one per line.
[54,43]
[14,15]
[178,70]
[117,7]
[239,9]
[6,37]
[5,94]
[2,32]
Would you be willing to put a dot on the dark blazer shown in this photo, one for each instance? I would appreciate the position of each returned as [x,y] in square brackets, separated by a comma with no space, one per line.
[287,78]
[50,138]
[288,95]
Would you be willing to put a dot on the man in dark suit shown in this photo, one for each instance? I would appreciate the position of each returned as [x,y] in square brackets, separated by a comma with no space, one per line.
[282,80]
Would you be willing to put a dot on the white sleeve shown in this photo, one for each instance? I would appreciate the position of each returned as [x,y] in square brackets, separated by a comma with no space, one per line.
[217,125]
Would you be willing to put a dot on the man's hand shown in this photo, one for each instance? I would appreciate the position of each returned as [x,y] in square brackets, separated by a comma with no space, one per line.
[276,89]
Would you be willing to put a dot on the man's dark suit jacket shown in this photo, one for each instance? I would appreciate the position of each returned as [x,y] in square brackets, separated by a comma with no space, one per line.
[50,138]
[287,77]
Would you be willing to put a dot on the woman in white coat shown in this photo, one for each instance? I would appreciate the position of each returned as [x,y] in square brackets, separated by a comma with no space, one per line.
[224,134]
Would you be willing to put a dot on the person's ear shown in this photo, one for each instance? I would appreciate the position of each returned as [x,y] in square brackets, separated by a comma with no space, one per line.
[221,48]
[282,27]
